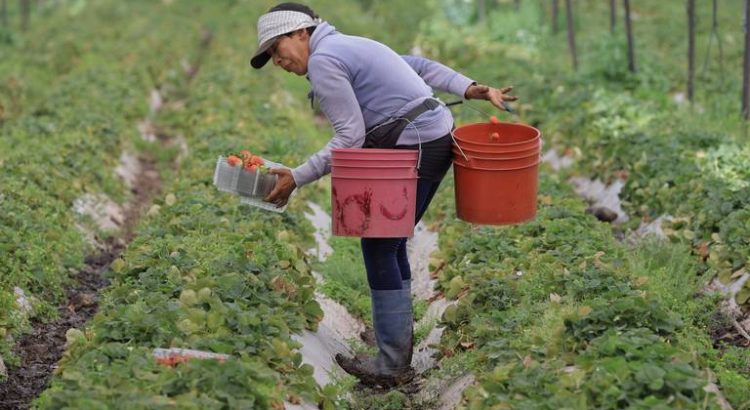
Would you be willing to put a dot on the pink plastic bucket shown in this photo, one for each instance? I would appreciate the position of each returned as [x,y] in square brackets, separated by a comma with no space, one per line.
[373,202]
[350,171]
[374,163]
[373,154]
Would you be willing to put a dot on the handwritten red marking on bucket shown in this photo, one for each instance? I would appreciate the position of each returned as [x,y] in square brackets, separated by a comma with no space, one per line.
[397,216]
[363,202]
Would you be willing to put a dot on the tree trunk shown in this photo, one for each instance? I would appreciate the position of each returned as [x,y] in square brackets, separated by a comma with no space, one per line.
[746,69]
[518,5]
[555,14]
[4,13]
[481,11]
[691,48]
[612,15]
[571,32]
[542,12]
[629,31]
[715,31]
[25,11]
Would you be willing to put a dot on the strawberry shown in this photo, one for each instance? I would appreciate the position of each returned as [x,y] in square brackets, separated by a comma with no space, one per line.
[494,120]
[234,160]
[256,160]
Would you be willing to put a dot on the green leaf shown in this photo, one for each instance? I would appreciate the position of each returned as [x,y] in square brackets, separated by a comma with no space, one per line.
[743,295]
[651,375]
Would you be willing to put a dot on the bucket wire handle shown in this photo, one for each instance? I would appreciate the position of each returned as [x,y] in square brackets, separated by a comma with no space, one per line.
[453,136]
[419,139]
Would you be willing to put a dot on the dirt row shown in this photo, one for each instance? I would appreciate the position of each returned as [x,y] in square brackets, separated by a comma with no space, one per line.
[41,349]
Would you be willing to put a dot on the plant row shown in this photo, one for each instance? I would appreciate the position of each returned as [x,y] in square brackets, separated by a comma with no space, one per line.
[66,115]
[555,313]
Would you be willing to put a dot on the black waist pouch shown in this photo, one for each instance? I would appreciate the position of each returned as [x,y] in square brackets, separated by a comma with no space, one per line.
[386,134]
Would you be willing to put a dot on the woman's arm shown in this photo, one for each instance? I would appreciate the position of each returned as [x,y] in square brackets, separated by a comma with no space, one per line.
[443,78]
[439,76]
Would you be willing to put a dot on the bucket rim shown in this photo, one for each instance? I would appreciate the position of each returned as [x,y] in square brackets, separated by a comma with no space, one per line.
[376,179]
[499,169]
[499,159]
[534,140]
[497,147]
[537,136]
[404,152]
[514,124]
[373,159]
[371,167]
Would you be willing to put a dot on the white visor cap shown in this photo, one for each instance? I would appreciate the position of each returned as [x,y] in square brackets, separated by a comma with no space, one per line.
[277,23]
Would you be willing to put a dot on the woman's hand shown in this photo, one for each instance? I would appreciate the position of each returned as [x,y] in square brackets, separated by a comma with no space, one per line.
[284,186]
[491,94]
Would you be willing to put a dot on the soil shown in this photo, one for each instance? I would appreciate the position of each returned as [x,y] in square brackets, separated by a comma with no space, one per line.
[724,333]
[40,350]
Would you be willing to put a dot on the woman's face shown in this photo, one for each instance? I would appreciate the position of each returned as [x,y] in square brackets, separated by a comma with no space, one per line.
[291,52]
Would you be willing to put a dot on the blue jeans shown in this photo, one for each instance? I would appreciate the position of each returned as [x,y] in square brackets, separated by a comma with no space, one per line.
[386,260]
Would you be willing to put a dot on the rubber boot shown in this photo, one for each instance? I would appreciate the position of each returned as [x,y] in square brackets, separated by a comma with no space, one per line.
[393,321]
[368,335]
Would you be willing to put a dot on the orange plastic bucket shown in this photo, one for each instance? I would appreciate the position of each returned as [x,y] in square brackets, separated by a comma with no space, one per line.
[496,181]
[496,147]
[373,201]
[496,163]
[511,136]
[464,153]
[498,154]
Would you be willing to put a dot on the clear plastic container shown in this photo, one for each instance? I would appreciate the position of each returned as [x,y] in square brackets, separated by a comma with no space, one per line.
[251,186]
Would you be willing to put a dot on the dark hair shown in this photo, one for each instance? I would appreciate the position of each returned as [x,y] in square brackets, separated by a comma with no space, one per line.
[290,6]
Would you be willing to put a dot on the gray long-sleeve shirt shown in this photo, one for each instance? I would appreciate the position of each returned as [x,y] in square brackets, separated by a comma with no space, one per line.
[359,83]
